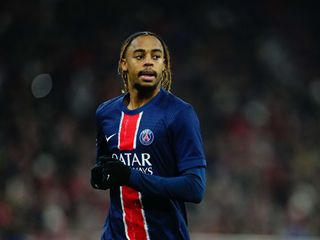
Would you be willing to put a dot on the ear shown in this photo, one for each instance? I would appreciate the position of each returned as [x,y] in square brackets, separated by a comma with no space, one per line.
[124,64]
[164,64]
[164,67]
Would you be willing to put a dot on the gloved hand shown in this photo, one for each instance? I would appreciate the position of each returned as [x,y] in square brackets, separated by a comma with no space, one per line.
[99,175]
[109,172]
[119,173]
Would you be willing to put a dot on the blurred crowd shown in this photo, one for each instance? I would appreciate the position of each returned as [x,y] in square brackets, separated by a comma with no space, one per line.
[250,69]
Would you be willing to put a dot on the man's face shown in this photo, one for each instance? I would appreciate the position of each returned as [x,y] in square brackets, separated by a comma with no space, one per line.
[144,61]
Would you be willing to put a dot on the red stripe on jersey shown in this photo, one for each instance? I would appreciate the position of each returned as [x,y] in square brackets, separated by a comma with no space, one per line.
[133,213]
[128,131]
[134,219]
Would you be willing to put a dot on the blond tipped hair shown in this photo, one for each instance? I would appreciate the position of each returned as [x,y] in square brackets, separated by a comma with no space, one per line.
[166,75]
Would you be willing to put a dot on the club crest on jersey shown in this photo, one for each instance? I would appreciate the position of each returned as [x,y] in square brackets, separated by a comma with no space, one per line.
[146,137]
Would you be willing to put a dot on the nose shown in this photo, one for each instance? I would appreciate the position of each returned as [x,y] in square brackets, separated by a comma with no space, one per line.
[148,61]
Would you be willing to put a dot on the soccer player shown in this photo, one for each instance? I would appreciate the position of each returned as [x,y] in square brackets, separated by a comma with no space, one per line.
[149,148]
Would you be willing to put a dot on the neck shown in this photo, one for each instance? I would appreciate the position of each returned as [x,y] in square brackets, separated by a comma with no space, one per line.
[138,99]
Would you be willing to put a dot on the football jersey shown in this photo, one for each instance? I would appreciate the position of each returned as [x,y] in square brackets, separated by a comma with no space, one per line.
[160,138]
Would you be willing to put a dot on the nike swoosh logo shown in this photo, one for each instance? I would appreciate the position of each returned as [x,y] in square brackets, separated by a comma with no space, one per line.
[108,138]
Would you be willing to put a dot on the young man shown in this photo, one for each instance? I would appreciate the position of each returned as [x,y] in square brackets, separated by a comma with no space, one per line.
[149,148]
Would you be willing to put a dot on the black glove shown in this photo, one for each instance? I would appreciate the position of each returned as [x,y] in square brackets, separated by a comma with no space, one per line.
[109,172]
[99,175]
[119,173]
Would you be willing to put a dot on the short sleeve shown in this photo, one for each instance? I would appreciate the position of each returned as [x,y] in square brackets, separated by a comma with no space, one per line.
[187,139]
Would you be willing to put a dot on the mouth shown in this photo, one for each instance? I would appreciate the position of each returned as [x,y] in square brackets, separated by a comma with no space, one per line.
[147,75]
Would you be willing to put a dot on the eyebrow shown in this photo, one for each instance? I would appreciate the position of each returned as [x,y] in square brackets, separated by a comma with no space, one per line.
[143,50]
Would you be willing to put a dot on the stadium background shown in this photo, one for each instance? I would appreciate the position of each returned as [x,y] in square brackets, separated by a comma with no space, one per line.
[250,68]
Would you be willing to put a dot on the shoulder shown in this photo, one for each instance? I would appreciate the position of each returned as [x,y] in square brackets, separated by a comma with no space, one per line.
[108,105]
[176,103]
[177,110]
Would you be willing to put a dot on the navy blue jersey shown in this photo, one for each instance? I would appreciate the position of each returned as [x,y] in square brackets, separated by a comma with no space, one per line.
[161,138]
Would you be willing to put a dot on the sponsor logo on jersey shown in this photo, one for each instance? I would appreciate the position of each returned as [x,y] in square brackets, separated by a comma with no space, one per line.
[146,137]
[136,161]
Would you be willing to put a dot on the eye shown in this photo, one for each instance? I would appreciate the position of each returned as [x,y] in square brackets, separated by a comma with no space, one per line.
[138,57]
[156,57]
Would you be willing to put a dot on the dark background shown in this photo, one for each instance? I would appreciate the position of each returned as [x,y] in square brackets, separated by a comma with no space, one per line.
[249,68]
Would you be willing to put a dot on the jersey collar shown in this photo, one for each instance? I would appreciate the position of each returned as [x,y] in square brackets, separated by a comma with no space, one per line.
[140,109]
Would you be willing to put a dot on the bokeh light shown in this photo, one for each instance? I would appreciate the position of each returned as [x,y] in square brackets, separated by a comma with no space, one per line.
[41,85]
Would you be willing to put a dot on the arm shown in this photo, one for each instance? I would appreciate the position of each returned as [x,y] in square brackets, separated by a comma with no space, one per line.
[188,187]
[99,176]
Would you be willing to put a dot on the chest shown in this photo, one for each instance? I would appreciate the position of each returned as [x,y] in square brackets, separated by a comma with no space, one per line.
[141,131]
